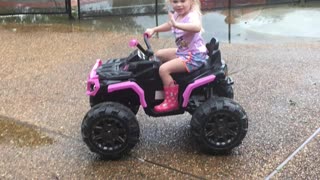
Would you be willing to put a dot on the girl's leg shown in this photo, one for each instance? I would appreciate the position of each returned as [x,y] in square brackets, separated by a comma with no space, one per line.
[166,54]
[171,90]
[173,66]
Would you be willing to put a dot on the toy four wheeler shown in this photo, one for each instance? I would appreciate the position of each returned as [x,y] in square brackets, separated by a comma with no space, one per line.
[118,87]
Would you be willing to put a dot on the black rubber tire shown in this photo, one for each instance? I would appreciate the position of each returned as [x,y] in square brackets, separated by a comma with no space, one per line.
[110,129]
[219,125]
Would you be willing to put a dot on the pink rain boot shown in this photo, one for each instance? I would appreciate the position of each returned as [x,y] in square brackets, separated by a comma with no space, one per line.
[170,102]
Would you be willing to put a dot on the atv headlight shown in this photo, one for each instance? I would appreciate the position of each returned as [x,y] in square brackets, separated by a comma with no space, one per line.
[92,87]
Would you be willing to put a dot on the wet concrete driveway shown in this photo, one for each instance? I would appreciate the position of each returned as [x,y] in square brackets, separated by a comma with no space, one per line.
[43,102]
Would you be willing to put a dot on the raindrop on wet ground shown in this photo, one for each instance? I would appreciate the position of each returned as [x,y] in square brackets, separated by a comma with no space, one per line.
[21,135]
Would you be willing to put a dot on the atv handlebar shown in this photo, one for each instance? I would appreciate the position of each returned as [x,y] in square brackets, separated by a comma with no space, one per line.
[146,40]
[135,43]
[149,51]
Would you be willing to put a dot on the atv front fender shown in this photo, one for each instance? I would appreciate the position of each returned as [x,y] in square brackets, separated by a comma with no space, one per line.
[129,85]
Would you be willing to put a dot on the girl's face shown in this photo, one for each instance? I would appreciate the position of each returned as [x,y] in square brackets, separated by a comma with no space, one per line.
[182,7]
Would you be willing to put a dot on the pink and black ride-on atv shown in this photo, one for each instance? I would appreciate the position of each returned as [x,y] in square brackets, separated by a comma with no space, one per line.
[118,87]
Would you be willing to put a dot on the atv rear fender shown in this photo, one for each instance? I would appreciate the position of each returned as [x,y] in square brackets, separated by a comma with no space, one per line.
[199,82]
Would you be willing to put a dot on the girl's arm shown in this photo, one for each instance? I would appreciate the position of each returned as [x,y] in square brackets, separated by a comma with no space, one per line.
[162,28]
[194,25]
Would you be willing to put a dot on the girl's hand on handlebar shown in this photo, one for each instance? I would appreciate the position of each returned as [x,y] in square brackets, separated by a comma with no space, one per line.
[150,32]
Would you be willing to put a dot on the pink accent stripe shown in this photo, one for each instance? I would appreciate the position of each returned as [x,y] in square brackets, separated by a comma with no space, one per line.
[197,83]
[93,79]
[129,85]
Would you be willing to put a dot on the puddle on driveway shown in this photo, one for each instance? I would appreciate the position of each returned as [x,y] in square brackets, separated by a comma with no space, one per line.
[21,135]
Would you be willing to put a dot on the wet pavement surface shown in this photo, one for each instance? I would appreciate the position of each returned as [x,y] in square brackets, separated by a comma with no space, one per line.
[43,102]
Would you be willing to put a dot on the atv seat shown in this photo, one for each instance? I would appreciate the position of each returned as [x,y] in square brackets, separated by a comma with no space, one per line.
[213,53]
[212,45]
[212,64]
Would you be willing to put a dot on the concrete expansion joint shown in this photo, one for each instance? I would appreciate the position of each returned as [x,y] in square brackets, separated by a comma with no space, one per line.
[293,154]
[168,167]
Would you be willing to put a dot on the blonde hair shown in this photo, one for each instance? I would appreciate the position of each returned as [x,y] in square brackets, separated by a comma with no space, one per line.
[196,5]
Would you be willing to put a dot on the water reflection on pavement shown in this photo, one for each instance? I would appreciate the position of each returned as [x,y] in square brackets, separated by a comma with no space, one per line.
[21,135]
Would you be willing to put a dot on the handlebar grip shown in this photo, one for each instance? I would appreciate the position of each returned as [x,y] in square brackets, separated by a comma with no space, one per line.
[146,40]
[146,35]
